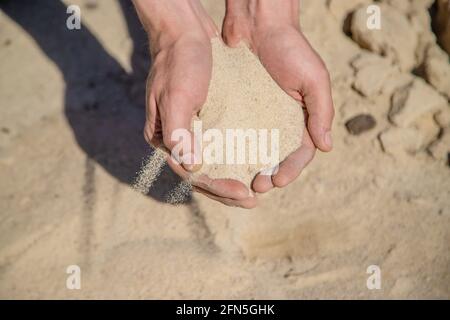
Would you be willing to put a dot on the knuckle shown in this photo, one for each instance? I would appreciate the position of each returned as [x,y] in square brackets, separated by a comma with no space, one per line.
[148,134]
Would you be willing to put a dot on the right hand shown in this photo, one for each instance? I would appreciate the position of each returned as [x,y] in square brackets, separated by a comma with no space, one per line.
[177,86]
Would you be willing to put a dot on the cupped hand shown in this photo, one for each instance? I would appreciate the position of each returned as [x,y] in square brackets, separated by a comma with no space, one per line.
[298,70]
[177,88]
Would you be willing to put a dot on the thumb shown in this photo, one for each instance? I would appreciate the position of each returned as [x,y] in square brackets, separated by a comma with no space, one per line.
[319,105]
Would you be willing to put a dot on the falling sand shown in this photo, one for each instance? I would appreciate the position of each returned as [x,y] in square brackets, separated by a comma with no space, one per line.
[150,171]
[241,96]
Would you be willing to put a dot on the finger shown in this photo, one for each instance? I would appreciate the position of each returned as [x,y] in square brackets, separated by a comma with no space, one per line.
[248,203]
[227,188]
[234,26]
[292,166]
[152,127]
[152,137]
[177,167]
[319,103]
[176,130]
[233,32]
[262,183]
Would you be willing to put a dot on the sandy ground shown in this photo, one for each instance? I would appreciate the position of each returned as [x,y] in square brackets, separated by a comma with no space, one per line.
[71,117]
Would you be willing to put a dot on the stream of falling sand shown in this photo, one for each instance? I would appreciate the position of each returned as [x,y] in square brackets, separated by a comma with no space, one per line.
[150,172]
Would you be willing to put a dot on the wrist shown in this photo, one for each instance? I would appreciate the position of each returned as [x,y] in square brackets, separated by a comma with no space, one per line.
[169,20]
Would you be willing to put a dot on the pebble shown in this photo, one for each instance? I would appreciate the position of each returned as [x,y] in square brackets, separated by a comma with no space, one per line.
[360,123]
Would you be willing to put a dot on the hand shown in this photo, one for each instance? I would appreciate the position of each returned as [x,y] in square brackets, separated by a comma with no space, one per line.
[180,34]
[272,31]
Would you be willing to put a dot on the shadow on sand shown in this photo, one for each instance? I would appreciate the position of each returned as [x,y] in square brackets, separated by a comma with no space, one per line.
[104,104]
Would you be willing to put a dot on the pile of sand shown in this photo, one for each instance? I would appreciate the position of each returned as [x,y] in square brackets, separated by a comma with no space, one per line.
[242,95]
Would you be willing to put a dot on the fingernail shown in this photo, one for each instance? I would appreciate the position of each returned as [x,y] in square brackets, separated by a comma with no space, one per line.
[190,162]
[188,167]
[328,139]
[192,167]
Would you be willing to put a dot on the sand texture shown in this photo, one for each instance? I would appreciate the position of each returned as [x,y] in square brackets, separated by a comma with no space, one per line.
[242,95]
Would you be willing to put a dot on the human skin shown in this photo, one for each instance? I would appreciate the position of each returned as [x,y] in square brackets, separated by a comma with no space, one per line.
[272,30]
[181,70]
[180,35]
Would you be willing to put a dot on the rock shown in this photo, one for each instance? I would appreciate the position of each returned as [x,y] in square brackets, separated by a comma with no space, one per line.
[353,105]
[340,9]
[421,4]
[371,73]
[401,5]
[397,140]
[360,124]
[421,22]
[436,68]
[440,149]
[428,128]
[408,6]
[411,102]
[395,82]
[413,139]
[442,118]
[396,39]
[442,23]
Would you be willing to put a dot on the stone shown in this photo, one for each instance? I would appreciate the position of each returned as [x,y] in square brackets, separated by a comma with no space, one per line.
[341,9]
[408,6]
[411,102]
[371,72]
[398,140]
[401,5]
[421,4]
[436,68]
[428,128]
[442,118]
[440,149]
[395,82]
[361,123]
[396,39]
[421,21]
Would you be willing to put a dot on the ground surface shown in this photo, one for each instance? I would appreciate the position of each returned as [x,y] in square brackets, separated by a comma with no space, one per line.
[71,117]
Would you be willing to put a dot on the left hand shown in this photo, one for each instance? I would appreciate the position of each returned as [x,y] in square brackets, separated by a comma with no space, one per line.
[272,31]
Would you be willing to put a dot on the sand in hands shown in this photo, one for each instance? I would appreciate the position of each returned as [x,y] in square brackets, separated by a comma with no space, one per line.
[241,95]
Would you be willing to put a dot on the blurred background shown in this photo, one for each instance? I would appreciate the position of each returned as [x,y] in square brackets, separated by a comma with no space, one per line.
[71,119]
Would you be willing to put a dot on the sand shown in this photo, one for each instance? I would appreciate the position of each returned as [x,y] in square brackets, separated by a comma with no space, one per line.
[150,171]
[71,142]
[243,96]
